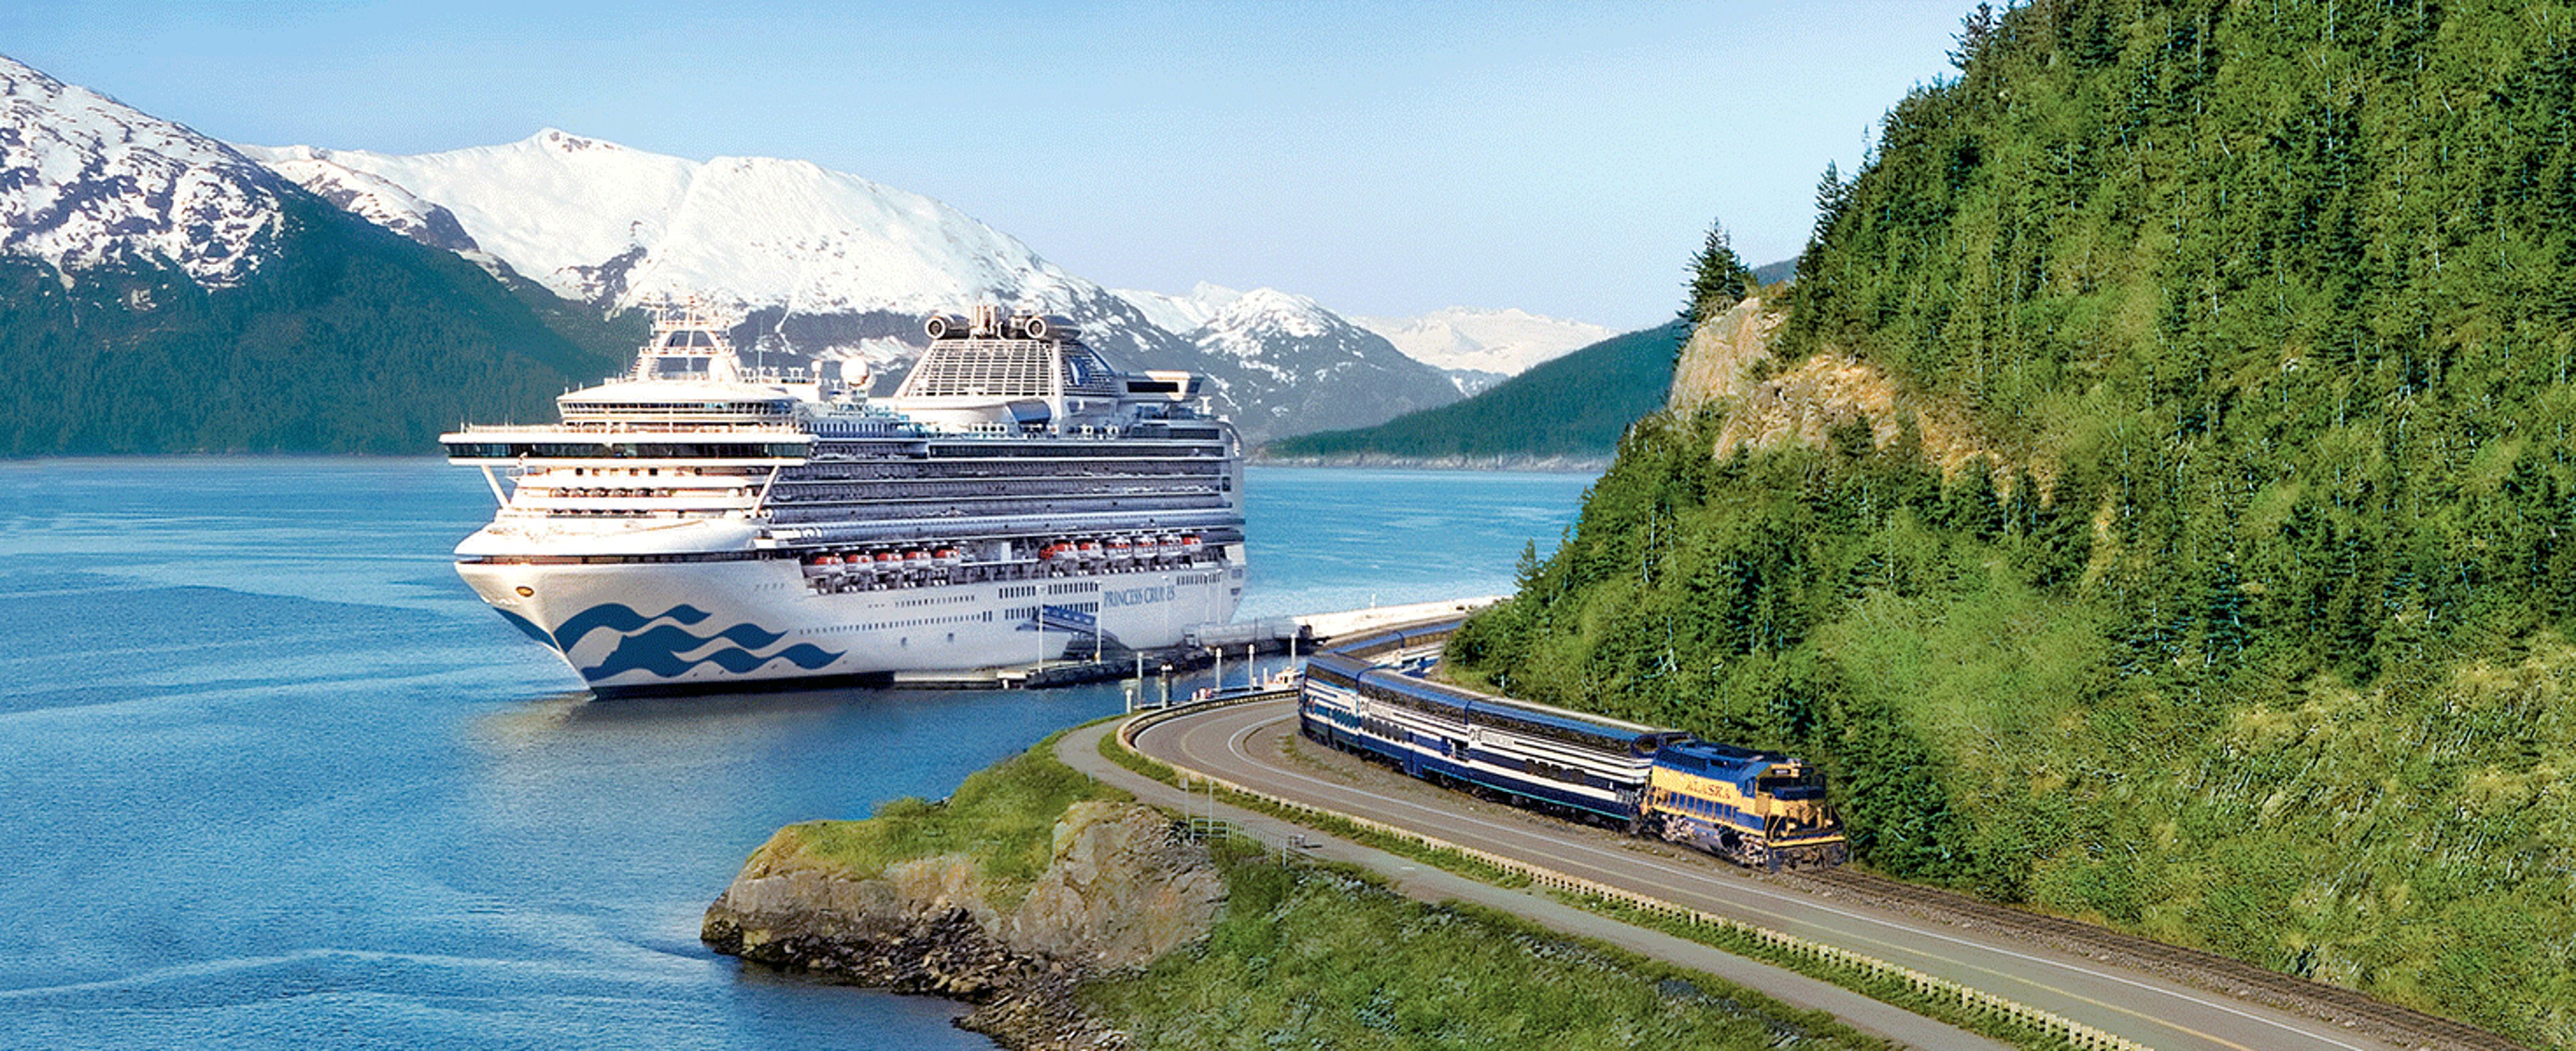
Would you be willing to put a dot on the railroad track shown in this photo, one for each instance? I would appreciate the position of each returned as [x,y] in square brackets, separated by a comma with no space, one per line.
[2208,970]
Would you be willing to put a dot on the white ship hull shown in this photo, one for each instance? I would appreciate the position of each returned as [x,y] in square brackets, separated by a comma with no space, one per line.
[642,628]
[699,526]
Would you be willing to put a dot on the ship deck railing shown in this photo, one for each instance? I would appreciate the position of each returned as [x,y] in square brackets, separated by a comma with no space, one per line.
[633,427]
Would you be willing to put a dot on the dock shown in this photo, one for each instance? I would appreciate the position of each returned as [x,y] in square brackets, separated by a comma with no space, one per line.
[1203,648]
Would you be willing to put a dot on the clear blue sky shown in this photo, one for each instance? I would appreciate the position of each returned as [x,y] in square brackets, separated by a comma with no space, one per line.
[1383,158]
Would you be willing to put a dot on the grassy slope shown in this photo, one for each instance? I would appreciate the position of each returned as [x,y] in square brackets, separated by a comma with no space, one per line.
[1003,816]
[354,341]
[2256,636]
[1307,956]
[1576,405]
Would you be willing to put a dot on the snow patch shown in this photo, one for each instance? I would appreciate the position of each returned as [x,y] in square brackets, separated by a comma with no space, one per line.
[1506,342]
[86,180]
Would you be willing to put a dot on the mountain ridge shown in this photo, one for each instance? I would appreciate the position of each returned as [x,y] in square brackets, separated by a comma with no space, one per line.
[1563,414]
[162,292]
[821,264]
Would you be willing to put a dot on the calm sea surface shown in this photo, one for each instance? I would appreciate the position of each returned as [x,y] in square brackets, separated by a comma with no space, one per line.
[270,776]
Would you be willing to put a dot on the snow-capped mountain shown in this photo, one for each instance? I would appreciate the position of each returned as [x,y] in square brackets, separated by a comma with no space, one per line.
[86,180]
[1299,362]
[371,197]
[168,293]
[831,261]
[1484,347]
[1182,313]
[821,263]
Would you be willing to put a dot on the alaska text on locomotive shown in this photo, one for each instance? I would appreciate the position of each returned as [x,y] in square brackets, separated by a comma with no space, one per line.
[701,522]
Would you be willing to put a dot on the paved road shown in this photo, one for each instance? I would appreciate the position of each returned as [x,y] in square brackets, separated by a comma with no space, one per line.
[1081,750]
[2136,1005]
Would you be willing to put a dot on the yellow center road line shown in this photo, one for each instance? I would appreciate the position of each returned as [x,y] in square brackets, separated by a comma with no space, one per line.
[1701,884]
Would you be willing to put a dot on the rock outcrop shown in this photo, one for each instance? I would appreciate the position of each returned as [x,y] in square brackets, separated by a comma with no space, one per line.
[1123,887]
[1717,364]
[1728,366]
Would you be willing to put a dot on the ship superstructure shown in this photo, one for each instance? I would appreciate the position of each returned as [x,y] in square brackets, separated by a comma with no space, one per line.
[699,523]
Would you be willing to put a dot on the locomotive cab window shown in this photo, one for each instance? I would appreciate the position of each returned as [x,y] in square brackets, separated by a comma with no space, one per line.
[1808,786]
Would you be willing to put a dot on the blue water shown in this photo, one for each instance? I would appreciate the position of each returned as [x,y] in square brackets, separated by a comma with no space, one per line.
[271,777]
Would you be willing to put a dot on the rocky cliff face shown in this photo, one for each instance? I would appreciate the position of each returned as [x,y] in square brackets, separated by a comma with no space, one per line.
[1123,888]
[1728,366]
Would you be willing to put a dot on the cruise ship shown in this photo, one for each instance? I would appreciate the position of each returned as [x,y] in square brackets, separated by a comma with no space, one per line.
[702,524]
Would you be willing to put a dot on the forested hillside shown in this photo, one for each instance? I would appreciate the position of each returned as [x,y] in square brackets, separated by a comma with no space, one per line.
[352,340]
[1574,406]
[2245,620]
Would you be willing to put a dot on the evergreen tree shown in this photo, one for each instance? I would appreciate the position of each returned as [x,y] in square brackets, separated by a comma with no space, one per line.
[1719,279]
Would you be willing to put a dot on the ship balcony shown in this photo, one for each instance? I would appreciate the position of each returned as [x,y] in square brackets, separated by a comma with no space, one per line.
[632,502]
[573,425]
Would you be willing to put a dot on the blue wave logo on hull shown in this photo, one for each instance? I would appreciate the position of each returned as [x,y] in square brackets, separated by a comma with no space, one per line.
[656,648]
[659,653]
[620,618]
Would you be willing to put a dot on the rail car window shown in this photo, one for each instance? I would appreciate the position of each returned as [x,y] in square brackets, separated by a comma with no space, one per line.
[1553,772]
[1429,705]
[1547,730]
[1335,676]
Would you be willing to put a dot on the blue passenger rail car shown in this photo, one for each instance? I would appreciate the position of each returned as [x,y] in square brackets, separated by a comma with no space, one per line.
[1758,808]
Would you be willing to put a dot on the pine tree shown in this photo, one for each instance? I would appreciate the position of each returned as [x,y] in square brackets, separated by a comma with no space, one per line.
[1975,32]
[1719,278]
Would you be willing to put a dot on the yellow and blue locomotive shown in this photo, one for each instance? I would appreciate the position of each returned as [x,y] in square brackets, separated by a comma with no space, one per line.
[1755,808]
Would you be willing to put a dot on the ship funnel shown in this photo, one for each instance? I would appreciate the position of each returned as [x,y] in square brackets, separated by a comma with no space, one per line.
[1049,326]
[945,326]
[988,320]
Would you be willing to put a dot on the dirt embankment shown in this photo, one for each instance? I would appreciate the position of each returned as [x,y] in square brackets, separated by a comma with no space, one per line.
[1124,887]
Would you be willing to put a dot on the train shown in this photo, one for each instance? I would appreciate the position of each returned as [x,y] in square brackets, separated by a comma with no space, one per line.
[1759,809]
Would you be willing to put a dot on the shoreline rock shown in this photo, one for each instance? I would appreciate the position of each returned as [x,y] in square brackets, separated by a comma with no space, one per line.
[1124,886]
